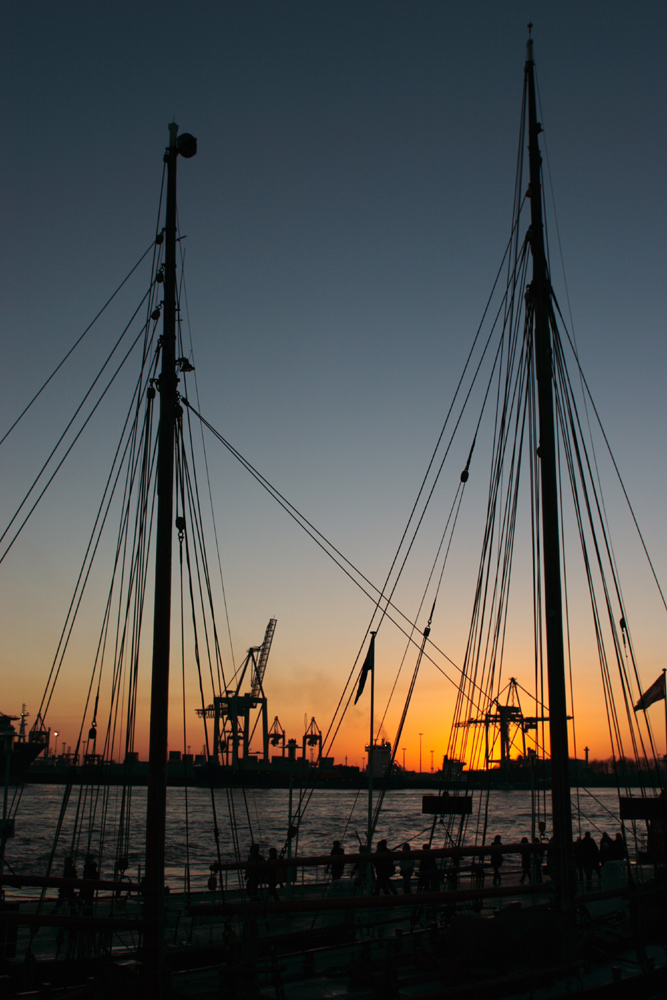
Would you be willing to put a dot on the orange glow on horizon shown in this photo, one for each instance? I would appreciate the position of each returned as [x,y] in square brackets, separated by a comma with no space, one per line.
[350,746]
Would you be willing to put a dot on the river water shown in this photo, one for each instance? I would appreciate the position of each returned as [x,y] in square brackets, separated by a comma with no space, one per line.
[91,820]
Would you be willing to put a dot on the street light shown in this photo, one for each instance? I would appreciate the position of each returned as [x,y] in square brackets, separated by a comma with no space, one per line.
[420,752]
[404,758]
[432,752]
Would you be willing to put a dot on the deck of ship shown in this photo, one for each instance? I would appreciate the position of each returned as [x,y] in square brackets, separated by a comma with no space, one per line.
[324,941]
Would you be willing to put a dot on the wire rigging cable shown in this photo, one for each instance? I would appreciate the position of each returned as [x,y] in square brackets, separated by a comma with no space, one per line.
[78,434]
[74,346]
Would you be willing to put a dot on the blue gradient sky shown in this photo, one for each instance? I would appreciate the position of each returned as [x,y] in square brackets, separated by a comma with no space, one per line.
[345,217]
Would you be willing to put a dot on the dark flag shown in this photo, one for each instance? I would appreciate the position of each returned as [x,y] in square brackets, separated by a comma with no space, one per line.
[369,664]
[656,692]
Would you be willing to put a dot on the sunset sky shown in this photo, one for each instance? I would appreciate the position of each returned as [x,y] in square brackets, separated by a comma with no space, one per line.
[345,218]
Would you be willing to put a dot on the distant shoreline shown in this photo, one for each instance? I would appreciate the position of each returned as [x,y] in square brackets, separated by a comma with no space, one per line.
[180,774]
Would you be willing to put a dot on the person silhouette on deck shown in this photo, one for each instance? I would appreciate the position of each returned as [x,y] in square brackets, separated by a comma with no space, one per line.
[336,865]
[87,894]
[526,852]
[428,876]
[606,849]
[384,870]
[620,850]
[67,893]
[590,858]
[253,873]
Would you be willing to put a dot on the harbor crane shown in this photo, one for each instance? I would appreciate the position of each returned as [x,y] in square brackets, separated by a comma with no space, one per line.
[236,716]
[277,735]
[508,723]
[312,738]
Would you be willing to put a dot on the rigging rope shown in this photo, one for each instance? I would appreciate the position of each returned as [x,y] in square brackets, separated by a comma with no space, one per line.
[76,437]
[75,345]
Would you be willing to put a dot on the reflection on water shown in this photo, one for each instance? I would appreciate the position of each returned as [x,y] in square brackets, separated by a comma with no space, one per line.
[91,820]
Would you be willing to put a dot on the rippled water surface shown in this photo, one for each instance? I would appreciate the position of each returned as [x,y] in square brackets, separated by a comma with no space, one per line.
[90,821]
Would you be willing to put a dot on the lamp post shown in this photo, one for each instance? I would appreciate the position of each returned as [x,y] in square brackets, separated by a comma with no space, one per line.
[403,758]
[432,761]
[420,752]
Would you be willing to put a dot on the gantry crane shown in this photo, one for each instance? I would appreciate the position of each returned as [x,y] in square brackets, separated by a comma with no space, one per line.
[509,722]
[312,738]
[277,735]
[236,716]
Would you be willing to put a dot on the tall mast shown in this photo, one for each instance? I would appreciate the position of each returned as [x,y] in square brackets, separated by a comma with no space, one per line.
[540,301]
[159,721]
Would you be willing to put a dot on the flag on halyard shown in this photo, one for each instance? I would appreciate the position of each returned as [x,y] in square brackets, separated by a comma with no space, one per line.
[369,664]
[656,692]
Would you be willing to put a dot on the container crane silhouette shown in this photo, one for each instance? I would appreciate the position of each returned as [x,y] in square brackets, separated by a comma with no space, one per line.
[506,725]
[237,716]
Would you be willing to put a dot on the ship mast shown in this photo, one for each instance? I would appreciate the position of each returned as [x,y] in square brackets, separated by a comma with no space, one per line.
[539,301]
[157,781]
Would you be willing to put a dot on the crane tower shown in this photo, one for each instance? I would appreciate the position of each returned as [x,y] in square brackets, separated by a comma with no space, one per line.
[236,716]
